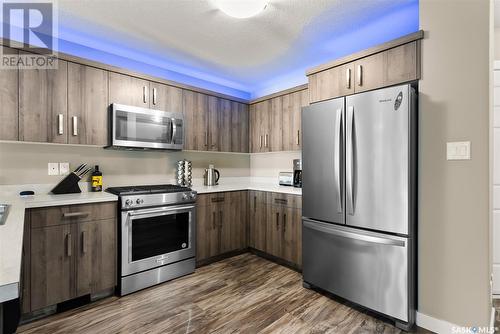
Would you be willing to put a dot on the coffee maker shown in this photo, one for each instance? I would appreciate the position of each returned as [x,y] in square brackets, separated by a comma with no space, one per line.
[297,173]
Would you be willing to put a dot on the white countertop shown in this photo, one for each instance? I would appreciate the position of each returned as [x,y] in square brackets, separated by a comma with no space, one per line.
[11,233]
[245,183]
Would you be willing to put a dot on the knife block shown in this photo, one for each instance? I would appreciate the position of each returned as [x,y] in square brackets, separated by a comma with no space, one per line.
[68,185]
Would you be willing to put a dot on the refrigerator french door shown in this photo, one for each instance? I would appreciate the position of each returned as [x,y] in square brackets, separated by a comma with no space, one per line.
[358,199]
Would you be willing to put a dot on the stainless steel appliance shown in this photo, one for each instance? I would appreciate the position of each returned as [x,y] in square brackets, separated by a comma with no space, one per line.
[137,128]
[359,199]
[156,234]
[211,176]
[297,173]
[286,179]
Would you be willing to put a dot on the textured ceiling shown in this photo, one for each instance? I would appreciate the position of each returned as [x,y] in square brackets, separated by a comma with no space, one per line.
[253,56]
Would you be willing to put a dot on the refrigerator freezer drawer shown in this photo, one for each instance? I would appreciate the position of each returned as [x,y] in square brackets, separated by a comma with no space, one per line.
[367,268]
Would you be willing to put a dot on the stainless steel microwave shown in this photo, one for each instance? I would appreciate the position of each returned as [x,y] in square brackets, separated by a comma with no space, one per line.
[136,128]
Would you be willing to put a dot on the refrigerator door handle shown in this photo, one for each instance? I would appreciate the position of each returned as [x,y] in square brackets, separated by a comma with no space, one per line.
[337,158]
[350,160]
[325,228]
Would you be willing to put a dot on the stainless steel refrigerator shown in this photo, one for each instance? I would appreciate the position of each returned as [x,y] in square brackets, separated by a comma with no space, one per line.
[359,199]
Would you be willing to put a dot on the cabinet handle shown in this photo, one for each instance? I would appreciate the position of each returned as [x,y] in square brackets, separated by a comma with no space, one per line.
[144,94]
[221,215]
[60,121]
[206,138]
[348,78]
[260,140]
[84,242]
[213,220]
[75,214]
[75,125]
[154,96]
[68,244]
[284,222]
[360,75]
[255,203]
[277,221]
[266,140]
[298,137]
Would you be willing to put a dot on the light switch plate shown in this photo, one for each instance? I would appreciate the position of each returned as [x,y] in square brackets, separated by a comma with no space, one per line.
[63,168]
[459,150]
[53,168]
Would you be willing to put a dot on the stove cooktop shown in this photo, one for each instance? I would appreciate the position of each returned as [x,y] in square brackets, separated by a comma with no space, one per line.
[147,189]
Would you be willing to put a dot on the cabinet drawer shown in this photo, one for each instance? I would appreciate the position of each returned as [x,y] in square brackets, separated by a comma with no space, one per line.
[285,200]
[208,199]
[60,215]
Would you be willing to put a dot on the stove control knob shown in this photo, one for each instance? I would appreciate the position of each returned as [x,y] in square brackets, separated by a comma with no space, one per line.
[128,202]
[192,195]
[185,196]
[139,201]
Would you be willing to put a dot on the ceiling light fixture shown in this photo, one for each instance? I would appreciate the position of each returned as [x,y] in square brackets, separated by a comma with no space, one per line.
[241,9]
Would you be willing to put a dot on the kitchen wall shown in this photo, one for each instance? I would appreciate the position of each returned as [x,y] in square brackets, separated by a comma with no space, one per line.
[497,42]
[23,163]
[453,257]
[270,164]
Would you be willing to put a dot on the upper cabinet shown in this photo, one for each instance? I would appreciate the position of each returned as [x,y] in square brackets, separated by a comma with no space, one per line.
[165,97]
[195,114]
[9,99]
[275,123]
[125,89]
[390,64]
[87,105]
[239,127]
[43,104]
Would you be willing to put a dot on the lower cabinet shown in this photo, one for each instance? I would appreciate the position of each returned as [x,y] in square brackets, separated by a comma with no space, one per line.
[221,223]
[70,251]
[275,225]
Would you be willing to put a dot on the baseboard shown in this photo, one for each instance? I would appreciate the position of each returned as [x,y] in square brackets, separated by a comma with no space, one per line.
[434,325]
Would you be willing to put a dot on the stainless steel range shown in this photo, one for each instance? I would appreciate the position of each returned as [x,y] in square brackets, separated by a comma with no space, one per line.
[156,234]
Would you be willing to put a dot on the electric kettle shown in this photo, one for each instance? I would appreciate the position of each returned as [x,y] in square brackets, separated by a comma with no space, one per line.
[211,176]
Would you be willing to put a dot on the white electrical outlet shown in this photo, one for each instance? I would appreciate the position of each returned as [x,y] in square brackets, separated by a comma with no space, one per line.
[63,168]
[53,168]
[459,150]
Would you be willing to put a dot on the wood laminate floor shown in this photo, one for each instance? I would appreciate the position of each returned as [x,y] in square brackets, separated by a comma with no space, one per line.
[243,294]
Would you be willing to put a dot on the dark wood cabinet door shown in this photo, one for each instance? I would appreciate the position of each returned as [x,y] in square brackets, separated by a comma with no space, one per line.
[239,127]
[195,114]
[52,271]
[275,143]
[257,222]
[292,236]
[225,133]
[208,223]
[87,105]
[166,98]
[273,231]
[234,221]
[401,64]
[254,131]
[43,108]
[96,256]
[369,72]
[9,100]
[261,124]
[128,90]
[292,109]
[213,124]
[331,83]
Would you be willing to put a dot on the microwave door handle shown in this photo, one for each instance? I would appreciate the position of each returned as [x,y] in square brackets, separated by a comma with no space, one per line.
[174,131]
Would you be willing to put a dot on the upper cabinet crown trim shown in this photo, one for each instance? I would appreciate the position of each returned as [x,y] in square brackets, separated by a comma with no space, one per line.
[367,52]
[280,93]
[111,68]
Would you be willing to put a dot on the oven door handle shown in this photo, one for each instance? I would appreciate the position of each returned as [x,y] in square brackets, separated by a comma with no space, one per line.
[159,210]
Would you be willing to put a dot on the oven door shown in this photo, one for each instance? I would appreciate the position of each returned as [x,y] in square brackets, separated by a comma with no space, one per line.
[156,236]
[140,128]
